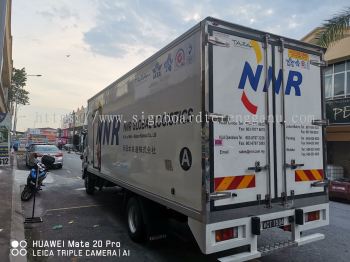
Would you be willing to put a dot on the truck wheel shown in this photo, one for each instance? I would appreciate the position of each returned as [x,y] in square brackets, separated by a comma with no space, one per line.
[135,221]
[89,184]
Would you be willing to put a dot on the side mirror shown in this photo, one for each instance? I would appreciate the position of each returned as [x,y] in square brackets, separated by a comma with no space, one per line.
[81,157]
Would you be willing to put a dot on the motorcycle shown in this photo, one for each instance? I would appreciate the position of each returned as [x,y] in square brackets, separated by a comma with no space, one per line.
[35,183]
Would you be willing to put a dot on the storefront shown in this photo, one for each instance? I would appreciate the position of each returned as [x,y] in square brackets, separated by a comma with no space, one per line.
[338,133]
[337,95]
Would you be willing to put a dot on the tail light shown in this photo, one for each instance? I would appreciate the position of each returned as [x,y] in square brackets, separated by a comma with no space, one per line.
[226,234]
[286,228]
[312,216]
[59,154]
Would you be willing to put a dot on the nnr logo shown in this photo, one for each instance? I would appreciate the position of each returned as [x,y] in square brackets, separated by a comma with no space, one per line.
[18,248]
[294,80]
[108,132]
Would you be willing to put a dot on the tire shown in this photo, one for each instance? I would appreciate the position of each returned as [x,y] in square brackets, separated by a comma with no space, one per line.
[135,220]
[27,165]
[27,193]
[89,184]
[59,166]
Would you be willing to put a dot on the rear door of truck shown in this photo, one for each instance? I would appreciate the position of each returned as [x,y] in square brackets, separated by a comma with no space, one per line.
[264,147]
[299,103]
[240,144]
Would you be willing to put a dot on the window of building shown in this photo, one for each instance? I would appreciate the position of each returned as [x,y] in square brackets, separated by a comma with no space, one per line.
[337,80]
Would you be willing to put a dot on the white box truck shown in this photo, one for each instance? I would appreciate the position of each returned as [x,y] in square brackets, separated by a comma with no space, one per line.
[222,127]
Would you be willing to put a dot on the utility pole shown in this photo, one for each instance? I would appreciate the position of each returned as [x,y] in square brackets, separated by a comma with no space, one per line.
[73,127]
[15,117]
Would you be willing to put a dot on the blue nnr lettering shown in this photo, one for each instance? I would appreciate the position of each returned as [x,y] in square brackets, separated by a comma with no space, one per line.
[109,132]
[294,80]
[115,131]
[253,78]
[107,128]
[277,82]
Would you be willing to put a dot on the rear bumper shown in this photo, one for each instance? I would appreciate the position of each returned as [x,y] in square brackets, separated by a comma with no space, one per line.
[341,195]
[58,160]
[205,233]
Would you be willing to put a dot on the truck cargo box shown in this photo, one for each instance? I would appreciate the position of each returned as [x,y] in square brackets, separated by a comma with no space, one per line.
[223,125]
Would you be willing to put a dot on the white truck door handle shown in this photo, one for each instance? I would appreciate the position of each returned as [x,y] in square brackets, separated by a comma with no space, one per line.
[221,195]
[320,122]
[320,183]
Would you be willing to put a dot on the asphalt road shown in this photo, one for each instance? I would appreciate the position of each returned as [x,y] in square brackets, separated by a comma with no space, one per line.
[70,214]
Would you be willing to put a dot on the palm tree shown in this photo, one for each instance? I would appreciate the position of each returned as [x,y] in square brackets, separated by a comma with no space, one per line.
[334,28]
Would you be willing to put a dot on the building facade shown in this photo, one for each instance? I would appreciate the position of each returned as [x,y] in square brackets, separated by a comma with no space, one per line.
[42,135]
[72,126]
[337,96]
[5,53]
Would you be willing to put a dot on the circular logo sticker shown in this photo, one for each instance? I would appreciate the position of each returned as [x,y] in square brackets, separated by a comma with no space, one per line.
[180,58]
[185,158]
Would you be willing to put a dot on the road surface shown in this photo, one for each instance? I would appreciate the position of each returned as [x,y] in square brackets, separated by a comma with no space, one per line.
[70,214]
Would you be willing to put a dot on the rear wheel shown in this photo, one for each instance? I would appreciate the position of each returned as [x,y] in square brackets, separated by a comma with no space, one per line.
[27,193]
[90,183]
[135,220]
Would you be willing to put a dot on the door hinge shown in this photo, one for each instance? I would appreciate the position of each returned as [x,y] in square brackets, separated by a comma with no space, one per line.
[268,201]
[218,117]
[319,63]
[214,40]
[320,122]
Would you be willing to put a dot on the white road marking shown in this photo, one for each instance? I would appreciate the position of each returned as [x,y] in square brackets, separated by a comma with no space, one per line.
[69,172]
[80,189]
[77,207]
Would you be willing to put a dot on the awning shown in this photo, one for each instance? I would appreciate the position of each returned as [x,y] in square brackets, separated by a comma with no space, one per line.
[338,133]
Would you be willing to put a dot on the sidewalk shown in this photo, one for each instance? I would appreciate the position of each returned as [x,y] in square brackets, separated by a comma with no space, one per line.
[6,184]
[11,214]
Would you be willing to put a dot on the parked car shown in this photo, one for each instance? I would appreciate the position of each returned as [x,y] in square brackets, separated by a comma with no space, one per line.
[340,189]
[39,150]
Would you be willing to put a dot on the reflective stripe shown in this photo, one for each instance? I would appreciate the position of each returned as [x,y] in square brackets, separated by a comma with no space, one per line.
[234,182]
[308,175]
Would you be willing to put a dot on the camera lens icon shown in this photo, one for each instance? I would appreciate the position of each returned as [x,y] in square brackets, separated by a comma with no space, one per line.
[18,248]
[14,244]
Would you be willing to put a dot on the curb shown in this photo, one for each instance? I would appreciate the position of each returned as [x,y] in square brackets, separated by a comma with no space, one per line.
[17,217]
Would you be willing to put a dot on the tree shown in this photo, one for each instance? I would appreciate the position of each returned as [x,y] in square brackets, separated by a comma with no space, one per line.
[17,94]
[334,28]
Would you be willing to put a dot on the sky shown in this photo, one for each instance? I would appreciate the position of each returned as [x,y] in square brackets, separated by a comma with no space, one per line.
[81,46]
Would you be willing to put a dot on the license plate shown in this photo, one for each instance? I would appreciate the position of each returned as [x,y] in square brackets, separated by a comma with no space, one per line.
[273,223]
